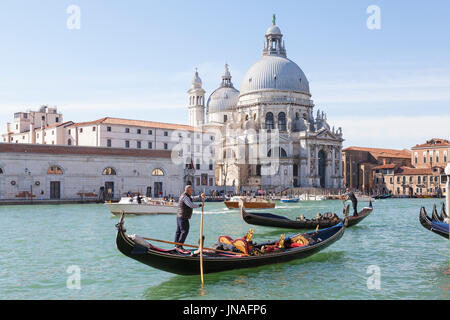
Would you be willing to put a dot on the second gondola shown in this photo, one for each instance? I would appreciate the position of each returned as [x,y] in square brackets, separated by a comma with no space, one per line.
[273,220]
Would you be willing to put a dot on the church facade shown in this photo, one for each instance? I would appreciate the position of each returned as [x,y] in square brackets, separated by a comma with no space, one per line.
[271,138]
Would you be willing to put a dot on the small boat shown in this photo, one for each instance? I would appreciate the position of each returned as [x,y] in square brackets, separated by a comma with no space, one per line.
[273,220]
[437,223]
[288,200]
[311,197]
[186,263]
[131,205]
[382,196]
[249,203]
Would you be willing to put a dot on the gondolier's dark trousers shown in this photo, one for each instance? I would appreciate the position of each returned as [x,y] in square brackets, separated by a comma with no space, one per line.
[355,204]
[182,230]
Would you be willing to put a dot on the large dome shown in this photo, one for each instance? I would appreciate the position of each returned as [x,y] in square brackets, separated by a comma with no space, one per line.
[275,72]
[222,99]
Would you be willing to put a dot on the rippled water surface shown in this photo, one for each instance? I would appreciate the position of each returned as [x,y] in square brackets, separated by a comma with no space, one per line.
[38,243]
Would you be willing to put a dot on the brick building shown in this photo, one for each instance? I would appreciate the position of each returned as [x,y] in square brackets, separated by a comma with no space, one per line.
[425,177]
[359,163]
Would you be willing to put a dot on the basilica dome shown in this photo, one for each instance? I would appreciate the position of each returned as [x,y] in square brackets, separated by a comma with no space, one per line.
[222,99]
[274,71]
[225,97]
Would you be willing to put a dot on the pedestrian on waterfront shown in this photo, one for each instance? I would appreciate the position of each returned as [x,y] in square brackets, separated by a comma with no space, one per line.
[185,208]
[350,195]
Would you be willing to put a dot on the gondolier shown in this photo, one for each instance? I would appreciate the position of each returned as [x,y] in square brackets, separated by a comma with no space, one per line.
[350,195]
[185,207]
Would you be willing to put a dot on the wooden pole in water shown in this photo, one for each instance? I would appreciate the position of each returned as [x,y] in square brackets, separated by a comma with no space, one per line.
[201,242]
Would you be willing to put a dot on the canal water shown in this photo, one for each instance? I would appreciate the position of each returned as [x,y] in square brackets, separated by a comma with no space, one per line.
[387,256]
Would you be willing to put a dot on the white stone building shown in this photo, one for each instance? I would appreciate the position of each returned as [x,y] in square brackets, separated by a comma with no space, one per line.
[270,124]
[45,172]
[110,132]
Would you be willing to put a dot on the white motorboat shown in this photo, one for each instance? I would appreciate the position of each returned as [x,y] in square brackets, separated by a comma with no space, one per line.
[130,205]
[311,197]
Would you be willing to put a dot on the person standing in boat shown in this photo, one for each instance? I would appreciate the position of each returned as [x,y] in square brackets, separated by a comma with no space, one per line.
[350,195]
[185,208]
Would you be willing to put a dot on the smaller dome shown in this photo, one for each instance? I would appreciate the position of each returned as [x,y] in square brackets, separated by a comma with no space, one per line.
[222,99]
[273,30]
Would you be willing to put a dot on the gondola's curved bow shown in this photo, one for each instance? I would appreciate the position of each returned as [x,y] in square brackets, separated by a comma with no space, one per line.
[437,224]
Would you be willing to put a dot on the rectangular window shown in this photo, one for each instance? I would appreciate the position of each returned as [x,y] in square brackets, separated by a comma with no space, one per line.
[127,144]
[108,129]
[69,131]
[138,144]
[57,119]
[211,181]
[127,130]
[166,133]
[149,145]
[211,166]
[150,132]
[197,166]
[81,130]
[138,131]
[93,128]
[108,143]
[165,146]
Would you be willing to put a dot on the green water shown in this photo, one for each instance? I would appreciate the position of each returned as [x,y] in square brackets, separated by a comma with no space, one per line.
[38,244]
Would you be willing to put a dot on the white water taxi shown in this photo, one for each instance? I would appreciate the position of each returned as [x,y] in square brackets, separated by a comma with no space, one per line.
[131,205]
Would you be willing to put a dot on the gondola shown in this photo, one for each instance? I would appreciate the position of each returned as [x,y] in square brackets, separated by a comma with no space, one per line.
[273,220]
[173,261]
[437,223]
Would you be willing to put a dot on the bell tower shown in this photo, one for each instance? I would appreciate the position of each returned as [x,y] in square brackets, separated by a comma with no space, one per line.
[196,102]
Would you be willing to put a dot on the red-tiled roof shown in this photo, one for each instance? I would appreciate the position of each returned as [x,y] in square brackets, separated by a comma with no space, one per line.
[414,171]
[137,123]
[380,153]
[59,149]
[433,143]
[386,166]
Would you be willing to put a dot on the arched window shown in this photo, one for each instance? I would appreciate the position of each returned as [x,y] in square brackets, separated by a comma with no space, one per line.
[157,172]
[280,152]
[282,121]
[54,170]
[109,172]
[269,121]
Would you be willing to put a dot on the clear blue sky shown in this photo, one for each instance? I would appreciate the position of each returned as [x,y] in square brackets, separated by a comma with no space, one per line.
[135,59]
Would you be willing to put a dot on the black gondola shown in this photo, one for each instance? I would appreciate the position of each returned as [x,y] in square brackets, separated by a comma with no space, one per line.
[175,262]
[437,225]
[273,220]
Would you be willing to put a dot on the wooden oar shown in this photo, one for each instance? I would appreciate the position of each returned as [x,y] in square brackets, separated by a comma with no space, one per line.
[201,242]
[193,246]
